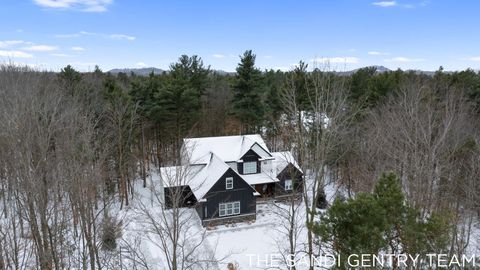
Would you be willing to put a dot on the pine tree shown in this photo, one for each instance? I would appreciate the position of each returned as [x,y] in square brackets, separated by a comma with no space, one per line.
[70,79]
[301,85]
[248,91]
[273,105]
[382,221]
[354,226]
[177,104]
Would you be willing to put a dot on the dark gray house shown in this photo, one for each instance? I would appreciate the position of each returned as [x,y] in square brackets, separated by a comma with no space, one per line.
[222,177]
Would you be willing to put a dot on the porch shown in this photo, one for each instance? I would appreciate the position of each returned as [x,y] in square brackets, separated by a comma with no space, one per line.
[266,190]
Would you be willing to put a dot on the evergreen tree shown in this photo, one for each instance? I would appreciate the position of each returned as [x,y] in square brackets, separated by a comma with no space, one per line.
[70,79]
[360,84]
[301,85]
[178,103]
[143,91]
[355,226]
[248,91]
[382,221]
[273,105]
[469,81]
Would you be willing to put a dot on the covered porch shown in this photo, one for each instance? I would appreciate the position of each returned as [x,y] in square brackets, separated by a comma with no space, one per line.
[266,190]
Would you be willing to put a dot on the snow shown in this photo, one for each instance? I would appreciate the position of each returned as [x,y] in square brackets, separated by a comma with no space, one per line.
[243,243]
[211,157]
[258,178]
[227,148]
[282,159]
[248,244]
[200,178]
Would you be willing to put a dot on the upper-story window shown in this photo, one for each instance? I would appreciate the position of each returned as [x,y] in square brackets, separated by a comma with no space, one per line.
[288,184]
[249,167]
[229,183]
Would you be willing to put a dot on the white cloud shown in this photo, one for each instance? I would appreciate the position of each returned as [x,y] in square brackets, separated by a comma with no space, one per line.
[385,4]
[85,33]
[336,60]
[474,58]
[121,37]
[77,49]
[61,55]
[82,5]
[424,3]
[78,34]
[41,48]
[8,43]
[15,54]
[141,64]
[83,64]
[404,59]
[377,53]
[218,56]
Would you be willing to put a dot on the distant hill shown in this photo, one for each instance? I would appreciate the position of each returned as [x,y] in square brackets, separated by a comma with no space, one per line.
[137,71]
[380,69]
[148,70]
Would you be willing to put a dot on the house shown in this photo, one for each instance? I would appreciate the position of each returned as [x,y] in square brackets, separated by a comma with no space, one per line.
[223,177]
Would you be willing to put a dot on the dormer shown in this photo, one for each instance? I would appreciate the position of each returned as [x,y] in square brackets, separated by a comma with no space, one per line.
[233,150]
[254,160]
[249,163]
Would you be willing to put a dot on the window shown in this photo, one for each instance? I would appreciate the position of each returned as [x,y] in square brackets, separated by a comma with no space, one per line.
[229,209]
[249,167]
[288,184]
[229,183]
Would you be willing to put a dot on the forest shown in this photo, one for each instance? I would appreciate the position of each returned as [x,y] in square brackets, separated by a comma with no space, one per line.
[403,146]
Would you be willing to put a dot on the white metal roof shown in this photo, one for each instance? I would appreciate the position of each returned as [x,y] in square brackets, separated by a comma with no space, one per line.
[227,148]
[282,159]
[258,178]
[200,178]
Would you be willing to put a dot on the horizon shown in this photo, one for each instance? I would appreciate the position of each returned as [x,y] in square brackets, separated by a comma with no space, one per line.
[346,34]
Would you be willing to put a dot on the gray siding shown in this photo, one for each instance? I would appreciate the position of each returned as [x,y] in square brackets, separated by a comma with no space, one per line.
[219,194]
[248,157]
[290,172]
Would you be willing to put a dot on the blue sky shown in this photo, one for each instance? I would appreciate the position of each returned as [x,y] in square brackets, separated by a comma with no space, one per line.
[410,34]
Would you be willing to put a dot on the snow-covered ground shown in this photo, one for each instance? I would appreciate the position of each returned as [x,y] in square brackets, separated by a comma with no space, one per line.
[250,245]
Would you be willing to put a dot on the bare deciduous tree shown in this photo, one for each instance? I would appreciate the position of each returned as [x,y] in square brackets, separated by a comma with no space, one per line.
[171,226]
[426,133]
[315,127]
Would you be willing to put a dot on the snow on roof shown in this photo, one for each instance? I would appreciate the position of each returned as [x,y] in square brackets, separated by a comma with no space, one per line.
[227,148]
[200,178]
[282,159]
[258,178]
[178,175]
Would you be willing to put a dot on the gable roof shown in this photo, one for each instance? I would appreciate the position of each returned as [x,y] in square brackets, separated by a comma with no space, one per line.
[200,178]
[227,148]
[282,159]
